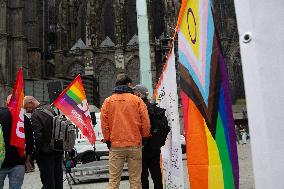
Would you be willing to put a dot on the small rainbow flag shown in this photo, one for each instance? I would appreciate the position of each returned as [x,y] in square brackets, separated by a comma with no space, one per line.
[73,103]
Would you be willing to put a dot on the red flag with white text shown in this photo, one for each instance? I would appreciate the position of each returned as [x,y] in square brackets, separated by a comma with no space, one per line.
[15,106]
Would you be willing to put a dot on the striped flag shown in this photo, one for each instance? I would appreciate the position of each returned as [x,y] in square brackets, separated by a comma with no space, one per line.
[73,103]
[208,120]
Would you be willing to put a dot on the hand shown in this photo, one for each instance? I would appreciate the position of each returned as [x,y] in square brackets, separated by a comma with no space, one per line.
[28,166]
[108,144]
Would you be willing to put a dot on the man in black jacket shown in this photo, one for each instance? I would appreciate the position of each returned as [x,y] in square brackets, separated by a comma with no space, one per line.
[48,161]
[14,164]
[150,152]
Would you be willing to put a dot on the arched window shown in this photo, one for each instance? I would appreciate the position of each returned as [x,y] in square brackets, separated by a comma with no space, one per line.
[81,26]
[50,70]
[108,17]
[133,70]
[106,79]
[158,14]
[132,28]
[3,17]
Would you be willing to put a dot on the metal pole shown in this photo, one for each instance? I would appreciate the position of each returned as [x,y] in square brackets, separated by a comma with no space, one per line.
[144,47]
[43,37]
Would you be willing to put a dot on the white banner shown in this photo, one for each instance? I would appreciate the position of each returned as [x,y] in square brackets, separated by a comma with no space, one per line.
[261,29]
[171,153]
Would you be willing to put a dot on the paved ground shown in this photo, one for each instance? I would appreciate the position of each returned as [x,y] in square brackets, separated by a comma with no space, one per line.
[245,164]
[32,180]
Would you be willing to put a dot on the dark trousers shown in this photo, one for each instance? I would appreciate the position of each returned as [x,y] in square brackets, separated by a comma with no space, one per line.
[51,172]
[151,164]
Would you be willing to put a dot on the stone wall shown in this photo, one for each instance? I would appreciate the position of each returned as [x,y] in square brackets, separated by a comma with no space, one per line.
[38,38]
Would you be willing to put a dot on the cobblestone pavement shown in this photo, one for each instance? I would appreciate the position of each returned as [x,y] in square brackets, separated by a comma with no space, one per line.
[32,180]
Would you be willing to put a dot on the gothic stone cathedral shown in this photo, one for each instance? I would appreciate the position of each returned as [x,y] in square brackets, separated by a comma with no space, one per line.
[58,39]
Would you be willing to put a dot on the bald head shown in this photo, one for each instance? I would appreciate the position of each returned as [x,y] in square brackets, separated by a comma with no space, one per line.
[30,103]
[8,99]
[28,99]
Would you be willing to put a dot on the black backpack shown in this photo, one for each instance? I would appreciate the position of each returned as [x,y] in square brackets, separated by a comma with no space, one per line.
[159,127]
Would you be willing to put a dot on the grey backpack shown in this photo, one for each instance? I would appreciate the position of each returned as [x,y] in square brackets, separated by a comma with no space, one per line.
[63,133]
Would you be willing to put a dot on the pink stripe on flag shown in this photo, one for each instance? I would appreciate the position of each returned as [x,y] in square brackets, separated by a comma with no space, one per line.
[185,50]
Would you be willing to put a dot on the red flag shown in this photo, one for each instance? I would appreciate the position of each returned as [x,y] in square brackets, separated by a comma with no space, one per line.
[15,106]
[73,103]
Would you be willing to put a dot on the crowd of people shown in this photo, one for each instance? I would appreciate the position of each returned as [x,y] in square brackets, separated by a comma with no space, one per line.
[129,127]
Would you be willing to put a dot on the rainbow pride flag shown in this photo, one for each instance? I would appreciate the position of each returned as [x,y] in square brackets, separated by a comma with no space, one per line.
[73,103]
[208,119]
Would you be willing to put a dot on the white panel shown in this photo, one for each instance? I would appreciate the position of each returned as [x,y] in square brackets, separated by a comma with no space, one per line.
[263,67]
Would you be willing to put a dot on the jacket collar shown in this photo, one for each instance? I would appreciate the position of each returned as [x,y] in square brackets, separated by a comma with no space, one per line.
[122,89]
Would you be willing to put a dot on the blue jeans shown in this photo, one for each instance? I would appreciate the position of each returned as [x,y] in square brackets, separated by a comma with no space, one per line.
[15,174]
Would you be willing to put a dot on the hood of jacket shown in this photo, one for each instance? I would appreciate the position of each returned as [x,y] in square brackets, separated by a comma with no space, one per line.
[122,89]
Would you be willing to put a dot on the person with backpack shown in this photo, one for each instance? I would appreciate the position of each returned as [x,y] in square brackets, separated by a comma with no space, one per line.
[124,121]
[14,164]
[152,146]
[48,160]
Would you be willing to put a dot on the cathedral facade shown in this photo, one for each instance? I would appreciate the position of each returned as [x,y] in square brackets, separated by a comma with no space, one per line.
[105,35]
[58,39]
[13,44]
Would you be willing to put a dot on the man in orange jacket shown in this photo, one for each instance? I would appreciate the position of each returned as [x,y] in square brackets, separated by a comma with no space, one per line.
[124,121]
